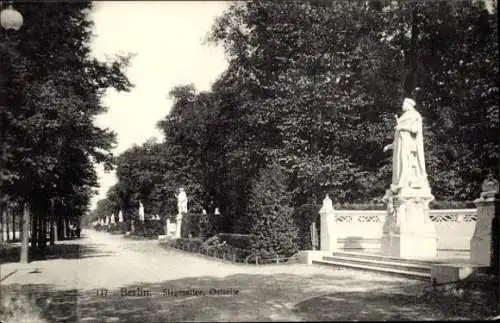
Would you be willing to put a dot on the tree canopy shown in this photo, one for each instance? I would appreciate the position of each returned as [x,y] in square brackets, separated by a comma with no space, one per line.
[50,94]
[313,86]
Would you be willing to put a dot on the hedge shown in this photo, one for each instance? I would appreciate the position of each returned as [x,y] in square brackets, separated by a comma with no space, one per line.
[148,228]
[237,240]
[198,225]
[304,216]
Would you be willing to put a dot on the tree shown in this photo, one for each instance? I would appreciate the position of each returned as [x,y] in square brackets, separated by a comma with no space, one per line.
[52,92]
[271,225]
[317,83]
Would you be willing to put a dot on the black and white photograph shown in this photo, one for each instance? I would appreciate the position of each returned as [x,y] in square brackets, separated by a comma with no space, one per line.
[249,161]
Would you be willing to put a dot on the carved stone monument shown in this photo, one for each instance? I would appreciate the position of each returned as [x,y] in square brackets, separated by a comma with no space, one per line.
[481,242]
[328,232]
[120,216]
[181,209]
[408,231]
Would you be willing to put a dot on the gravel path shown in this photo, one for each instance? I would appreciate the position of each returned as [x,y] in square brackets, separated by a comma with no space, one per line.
[101,266]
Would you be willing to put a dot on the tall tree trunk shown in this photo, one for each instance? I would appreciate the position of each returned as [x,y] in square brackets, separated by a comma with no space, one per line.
[66,227]
[13,225]
[59,228]
[25,233]
[21,213]
[44,231]
[34,231]
[7,228]
[2,227]
[51,222]
[52,231]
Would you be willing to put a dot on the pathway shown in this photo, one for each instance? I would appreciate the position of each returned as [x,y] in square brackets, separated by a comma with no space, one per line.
[93,273]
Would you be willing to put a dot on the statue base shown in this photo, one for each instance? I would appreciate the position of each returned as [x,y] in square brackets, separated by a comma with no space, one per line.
[178,226]
[481,242]
[408,230]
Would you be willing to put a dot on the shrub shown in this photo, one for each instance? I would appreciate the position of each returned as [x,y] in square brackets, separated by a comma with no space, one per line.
[188,244]
[241,241]
[272,228]
[304,216]
[197,225]
[215,246]
[440,205]
[359,206]
[148,228]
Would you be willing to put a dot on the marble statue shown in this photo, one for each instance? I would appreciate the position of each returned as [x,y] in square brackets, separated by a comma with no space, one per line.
[141,211]
[408,162]
[120,216]
[182,201]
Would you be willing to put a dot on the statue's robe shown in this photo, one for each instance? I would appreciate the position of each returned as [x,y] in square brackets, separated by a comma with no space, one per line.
[408,153]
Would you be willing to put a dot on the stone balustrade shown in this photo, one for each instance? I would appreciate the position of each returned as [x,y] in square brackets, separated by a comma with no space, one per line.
[362,229]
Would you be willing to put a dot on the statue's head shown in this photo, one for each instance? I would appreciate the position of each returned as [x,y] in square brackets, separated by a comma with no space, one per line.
[408,104]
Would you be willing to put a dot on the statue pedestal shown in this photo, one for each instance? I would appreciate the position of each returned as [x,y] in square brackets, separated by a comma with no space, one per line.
[178,225]
[328,233]
[481,242]
[409,232]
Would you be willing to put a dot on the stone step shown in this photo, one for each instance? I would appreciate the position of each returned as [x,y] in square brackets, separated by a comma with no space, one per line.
[384,264]
[374,256]
[374,268]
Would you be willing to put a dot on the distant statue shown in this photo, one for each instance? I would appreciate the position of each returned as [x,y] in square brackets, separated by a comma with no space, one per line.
[182,201]
[408,162]
[141,211]
[120,216]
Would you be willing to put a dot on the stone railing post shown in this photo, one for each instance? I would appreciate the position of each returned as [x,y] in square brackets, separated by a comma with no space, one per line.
[482,250]
[328,233]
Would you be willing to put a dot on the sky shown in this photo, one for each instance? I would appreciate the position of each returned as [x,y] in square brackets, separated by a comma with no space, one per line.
[166,38]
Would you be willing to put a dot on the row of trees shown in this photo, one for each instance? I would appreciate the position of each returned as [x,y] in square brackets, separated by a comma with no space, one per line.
[312,88]
[50,93]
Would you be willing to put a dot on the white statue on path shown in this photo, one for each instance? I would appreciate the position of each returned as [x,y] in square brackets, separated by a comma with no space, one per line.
[141,211]
[182,201]
[120,216]
[408,162]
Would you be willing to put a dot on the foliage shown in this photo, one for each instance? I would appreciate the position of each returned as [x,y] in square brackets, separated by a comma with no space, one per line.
[148,228]
[440,205]
[304,216]
[197,225]
[313,86]
[241,241]
[117,228]
[51,90]
[187,243]
[271,225]
[317,84]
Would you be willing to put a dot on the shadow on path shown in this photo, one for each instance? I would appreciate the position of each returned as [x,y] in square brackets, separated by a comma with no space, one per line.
[247,297]
[66,250]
